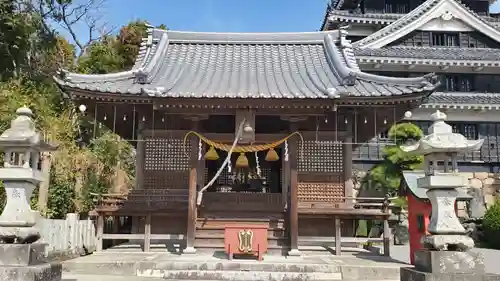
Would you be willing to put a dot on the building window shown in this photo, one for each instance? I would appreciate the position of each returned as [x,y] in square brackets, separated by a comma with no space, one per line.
[396,7]
[468,130]
[458,83]
[445,39]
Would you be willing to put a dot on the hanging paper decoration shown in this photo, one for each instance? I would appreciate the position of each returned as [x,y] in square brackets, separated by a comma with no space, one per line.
[242,161]
[286,150]
[200,147]
[272,155]
[257,164]
[211,154]
[229,166]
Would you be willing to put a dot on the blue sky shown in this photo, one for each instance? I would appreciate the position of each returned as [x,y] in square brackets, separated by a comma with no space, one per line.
[222,15]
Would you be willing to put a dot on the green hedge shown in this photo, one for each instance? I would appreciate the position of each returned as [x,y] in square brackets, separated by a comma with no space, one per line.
[491,225]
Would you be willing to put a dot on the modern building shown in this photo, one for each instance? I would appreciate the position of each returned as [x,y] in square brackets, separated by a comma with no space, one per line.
[457,40]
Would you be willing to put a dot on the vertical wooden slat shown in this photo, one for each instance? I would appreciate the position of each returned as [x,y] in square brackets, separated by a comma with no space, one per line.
[100,232]
[338,242]
[387,238]
[147,233]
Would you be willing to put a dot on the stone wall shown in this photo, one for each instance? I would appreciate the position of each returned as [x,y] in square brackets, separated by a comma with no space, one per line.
[489,183]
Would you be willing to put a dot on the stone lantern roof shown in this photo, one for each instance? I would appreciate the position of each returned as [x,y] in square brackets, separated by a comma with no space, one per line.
[441,139]
[22,133]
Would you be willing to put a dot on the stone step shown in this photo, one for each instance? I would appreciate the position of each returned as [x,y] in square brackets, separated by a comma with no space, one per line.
[80,277]
[226,275]
[132,268]
[206,267]
[94,277]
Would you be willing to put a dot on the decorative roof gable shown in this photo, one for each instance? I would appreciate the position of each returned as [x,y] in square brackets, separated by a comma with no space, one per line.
[431,15]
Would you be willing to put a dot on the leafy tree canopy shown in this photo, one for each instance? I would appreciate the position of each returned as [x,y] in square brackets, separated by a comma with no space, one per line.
[387,175]
[31,51]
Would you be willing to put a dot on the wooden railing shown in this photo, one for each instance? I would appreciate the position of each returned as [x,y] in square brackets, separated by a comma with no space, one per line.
[242,201]
[141,201]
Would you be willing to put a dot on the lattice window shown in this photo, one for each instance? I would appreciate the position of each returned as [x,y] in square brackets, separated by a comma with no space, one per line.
[166,154]
[321,191]
[321,156]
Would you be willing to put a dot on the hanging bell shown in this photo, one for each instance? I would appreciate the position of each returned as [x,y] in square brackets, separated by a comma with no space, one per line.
[211,154]
[272,155]
[242,161]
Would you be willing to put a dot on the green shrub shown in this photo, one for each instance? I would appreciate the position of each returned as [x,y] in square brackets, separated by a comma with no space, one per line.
[491,225]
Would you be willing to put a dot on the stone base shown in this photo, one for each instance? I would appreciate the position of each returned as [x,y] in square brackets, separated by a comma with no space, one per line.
[415,275]
[20,235]
[22,254]
[449,262]
[447,242]
[41,272]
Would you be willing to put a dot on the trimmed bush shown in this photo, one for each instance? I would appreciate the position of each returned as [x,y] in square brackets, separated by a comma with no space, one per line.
[491,225]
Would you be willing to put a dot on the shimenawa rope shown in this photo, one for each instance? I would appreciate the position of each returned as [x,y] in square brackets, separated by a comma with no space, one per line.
[199,198]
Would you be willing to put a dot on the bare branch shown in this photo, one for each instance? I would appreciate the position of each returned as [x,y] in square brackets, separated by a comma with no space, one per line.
[73,14]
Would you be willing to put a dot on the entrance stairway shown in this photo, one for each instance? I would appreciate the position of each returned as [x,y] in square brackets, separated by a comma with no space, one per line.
[160,265]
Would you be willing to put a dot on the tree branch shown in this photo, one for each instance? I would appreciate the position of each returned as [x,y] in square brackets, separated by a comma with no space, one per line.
[71,14]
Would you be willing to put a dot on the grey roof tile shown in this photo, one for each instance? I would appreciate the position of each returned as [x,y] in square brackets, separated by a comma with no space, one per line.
[459,98]
[442,53]
[315,65]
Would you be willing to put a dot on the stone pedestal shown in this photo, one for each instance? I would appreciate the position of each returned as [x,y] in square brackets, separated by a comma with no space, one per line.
[447,266]
[26,262]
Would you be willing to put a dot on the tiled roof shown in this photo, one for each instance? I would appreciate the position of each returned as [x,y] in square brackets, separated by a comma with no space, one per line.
[383,18]
[315,65]
[463,100]
[441,53]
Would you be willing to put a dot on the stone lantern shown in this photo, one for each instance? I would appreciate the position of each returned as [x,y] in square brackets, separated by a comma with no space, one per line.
[21,145]
[445,254]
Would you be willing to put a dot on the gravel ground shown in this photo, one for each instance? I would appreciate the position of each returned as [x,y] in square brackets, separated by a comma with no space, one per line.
[491,257]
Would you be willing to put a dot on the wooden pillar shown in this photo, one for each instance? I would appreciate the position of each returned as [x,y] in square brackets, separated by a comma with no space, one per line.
[139,171]
[293,206]
[147,233]
[338,238]
[100,231]
[347,163]
[192,192]
[140,155]
[387,238]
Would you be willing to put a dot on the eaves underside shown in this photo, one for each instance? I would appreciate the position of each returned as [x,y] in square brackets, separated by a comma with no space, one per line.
[204,102]
[427,62]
